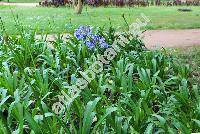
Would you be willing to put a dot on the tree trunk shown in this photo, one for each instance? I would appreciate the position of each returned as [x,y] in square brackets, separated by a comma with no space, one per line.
[157,2]
[78,5]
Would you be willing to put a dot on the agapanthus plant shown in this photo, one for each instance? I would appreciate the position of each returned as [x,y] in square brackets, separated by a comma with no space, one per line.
[90,38]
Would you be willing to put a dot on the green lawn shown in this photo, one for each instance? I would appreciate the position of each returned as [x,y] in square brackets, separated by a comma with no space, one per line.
[191,56]
[55,19]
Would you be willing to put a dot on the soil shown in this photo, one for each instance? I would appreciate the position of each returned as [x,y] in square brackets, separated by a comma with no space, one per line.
[172,38]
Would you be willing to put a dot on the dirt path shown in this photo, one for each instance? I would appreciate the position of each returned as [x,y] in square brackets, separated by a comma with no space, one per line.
[172,38]
[162,38]
[20,4]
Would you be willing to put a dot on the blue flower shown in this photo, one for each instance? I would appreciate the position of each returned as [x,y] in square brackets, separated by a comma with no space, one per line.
[82,32]
[96,38]
[85,33]
[103,43]
[90,44]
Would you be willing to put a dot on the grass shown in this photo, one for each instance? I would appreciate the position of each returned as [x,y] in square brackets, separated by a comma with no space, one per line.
[54,20]
[191,56]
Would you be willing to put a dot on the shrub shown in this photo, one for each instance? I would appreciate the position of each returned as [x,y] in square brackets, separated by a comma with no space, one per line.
[55,3]
[139,91]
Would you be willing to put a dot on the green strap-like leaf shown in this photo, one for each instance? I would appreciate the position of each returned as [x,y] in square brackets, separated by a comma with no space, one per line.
[88,115]
[108,111]
[33,124]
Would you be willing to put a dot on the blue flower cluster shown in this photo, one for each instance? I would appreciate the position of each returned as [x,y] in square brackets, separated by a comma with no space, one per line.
[82,32]
[85,33]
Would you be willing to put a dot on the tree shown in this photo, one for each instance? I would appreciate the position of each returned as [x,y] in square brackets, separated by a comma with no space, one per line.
[157,2]
[78,5]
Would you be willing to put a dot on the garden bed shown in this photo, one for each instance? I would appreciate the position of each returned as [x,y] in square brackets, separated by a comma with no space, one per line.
[130,89]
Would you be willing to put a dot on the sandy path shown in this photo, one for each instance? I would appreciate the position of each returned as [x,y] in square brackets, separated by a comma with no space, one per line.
[20,4]
[172,38]
[162,38]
